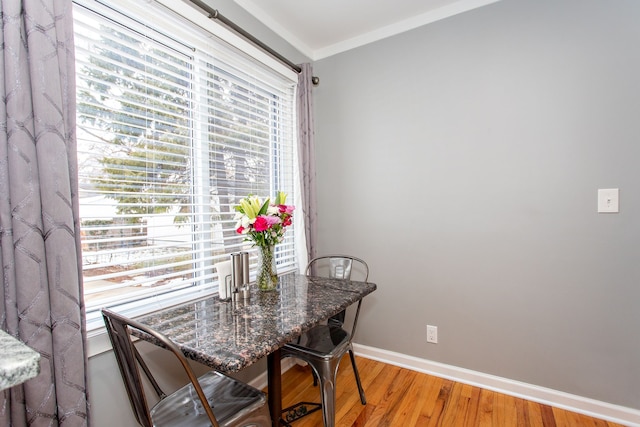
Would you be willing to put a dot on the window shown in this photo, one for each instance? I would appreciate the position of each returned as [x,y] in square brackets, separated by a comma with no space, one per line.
[174,127]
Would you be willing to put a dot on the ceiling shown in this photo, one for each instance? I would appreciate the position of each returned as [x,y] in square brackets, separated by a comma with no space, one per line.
[322,28]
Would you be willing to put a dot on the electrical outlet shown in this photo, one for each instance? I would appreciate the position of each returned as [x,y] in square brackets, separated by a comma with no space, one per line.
[432,334]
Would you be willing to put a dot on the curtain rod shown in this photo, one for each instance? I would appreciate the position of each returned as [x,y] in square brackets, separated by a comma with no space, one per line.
[214,14]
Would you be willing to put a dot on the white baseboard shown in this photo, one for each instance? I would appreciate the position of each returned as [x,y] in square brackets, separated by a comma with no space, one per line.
[593,408]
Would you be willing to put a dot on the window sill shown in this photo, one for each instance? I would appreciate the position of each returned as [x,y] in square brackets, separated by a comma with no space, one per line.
[97,338]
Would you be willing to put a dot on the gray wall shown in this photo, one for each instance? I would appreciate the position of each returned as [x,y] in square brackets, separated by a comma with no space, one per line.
[462,161]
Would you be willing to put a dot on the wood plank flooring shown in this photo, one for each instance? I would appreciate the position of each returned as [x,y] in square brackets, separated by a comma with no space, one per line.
[398,397]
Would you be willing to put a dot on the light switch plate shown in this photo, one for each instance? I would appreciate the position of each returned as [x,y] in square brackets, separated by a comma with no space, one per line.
[608,200]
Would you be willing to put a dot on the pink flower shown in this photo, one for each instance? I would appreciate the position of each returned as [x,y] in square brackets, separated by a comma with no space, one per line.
[288,209]
[240,229]
[261,223]
[272,220]
[265,222]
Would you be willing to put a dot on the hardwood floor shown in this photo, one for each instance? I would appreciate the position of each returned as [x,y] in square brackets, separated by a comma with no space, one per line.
[404,398]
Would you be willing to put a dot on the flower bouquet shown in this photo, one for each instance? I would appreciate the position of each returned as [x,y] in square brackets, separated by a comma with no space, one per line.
[264,223]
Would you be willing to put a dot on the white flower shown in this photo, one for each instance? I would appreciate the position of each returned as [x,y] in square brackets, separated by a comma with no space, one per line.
[273,210]
[244,222]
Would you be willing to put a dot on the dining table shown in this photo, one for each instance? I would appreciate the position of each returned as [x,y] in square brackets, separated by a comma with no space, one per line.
[230,335]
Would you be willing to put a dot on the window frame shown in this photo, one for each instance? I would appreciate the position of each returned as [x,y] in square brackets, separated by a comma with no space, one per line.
[158,301]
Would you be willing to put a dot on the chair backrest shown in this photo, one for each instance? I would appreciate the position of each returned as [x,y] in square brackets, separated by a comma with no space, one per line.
[338,267]
[119,329]
[345,267]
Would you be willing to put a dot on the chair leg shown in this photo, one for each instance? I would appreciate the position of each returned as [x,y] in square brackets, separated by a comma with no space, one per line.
[327,374]
[355,371]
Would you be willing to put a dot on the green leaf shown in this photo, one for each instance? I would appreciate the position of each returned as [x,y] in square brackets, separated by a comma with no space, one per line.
[263,209]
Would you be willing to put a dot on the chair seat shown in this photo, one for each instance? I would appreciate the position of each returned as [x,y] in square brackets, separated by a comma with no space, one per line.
[323,341]
[231,400]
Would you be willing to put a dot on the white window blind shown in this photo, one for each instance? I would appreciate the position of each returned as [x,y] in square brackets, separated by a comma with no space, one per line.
[172,133]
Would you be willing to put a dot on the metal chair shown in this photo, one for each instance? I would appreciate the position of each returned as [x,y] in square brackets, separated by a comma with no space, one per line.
[323,346]
[212,399]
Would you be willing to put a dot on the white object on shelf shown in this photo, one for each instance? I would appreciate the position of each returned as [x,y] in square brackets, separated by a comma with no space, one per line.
[224,276]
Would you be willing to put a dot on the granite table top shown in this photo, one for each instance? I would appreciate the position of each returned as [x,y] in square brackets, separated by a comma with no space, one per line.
[229,336]
[18,362]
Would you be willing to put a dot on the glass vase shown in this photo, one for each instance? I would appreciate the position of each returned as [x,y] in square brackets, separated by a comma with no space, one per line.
[266,278]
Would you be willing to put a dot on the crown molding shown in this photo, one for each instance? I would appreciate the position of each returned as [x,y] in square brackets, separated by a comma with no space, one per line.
[390,30]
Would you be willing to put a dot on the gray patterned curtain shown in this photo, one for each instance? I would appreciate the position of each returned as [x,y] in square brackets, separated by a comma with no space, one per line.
[306,153]
[39,228]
